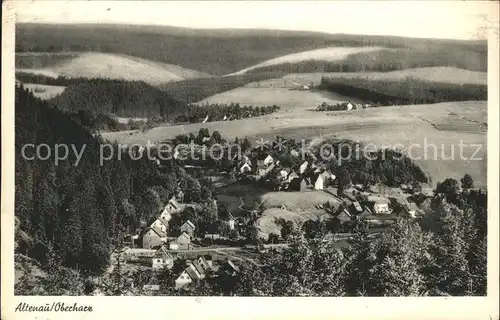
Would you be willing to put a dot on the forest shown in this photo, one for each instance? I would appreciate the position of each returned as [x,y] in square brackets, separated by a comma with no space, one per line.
[72,215]
[403,92]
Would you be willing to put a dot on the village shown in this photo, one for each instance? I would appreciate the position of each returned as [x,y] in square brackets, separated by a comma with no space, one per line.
[277,166]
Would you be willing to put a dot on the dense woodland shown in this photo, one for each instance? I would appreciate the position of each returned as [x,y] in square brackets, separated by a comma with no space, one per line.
[121,98]
[401,92]
[75,212]
[219,52]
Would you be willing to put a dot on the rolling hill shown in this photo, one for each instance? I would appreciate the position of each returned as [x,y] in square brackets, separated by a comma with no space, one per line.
[378,59]
[120,98]
[219,52]
[102,65]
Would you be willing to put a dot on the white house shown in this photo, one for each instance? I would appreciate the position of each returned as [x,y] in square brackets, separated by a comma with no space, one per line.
[161,259]
[245,168]
[303,167]
[183,279]
[160,224]
[319,184]
[380,205]
[349,106]
[268,160]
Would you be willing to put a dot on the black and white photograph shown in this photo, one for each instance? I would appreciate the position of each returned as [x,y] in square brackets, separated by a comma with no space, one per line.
[252,149]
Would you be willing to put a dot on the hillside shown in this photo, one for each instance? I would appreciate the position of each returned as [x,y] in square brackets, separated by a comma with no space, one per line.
[102,65]
[121,98]
[216,52]
[341,59]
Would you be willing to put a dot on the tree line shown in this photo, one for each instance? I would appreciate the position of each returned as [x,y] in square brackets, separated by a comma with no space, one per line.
[402,92]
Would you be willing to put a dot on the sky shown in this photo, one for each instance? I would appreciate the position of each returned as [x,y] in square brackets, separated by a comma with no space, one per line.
[422,19]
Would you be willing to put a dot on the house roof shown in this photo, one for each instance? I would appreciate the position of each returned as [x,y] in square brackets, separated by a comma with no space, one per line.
[163,252]
[189,223]
[184,235]
[379,200]
[174,203]
[232,265]
[191,271]
[198,267]
[157,231]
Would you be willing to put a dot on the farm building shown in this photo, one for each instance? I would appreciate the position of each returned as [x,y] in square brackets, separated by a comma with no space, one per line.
[161,259]
[344,216]
[153,237]
[188,227]
[183,241]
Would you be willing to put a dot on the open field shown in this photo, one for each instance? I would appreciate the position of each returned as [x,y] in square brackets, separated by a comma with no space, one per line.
[433,74]
[323,54]
[297,201]
[410,128]
[266,224]
[44,92]
[102,65]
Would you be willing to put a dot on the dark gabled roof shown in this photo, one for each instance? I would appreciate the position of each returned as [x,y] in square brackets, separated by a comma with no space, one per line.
[232,265]
[192,274]
[189,223]
[198,267]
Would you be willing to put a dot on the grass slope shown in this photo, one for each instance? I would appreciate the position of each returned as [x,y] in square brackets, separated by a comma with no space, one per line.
[102,65]
[340,59]
[214,52]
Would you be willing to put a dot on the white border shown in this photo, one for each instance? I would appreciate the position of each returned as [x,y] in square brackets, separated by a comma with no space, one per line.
[249,308]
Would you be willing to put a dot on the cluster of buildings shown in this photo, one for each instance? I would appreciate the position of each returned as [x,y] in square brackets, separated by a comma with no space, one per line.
[378,209]
[348,105]
[308,175]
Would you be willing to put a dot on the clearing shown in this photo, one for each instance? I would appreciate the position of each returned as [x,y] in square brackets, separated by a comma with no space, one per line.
[103,65]
[44,92]
[324,54]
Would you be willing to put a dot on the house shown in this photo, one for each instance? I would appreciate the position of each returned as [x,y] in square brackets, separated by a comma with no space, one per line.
[188,227]
[245,168]
[183,241]
[412,209]
[284,172]
[204,262]
[213,236]
[303,167]
[184,278]
[264,160]
[151,287]
[294,153]
[380,204]
[179,196]
[365,213]
[349,106]
[231,221]
[153,237]
[344,216]
[319,183]
[161,223]
[292,175]
[229,268]
[173,206]
[357,207]
[161,259]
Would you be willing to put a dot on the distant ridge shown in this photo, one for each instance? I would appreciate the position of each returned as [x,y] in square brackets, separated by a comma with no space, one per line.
[212,51]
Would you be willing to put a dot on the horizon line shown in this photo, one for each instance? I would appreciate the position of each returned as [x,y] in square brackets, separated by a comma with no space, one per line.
[244,28]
